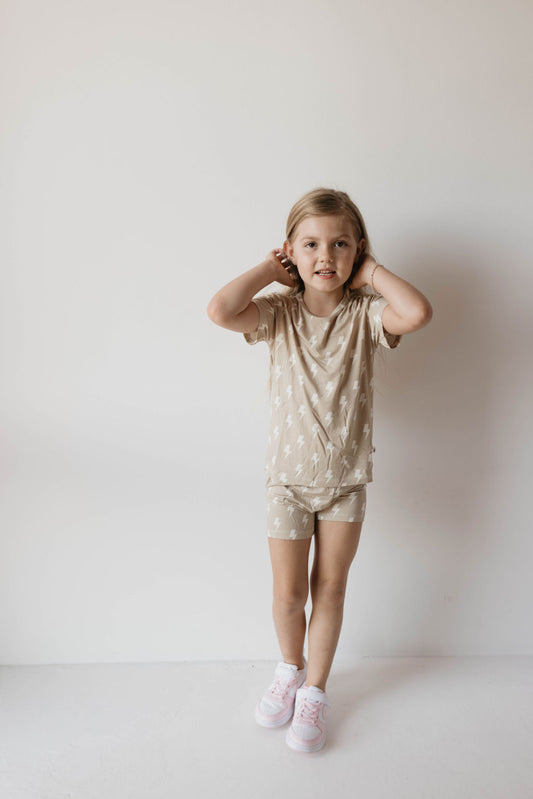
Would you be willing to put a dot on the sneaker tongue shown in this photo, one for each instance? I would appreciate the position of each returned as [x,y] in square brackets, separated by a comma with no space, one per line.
[316,694]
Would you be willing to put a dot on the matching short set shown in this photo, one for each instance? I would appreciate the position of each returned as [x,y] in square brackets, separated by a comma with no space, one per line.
[320,450]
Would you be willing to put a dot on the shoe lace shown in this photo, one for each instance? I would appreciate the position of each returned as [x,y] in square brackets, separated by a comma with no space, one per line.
[279,688]
[307,710]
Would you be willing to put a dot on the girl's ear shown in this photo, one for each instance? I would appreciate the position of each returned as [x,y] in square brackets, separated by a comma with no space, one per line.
[288,249]
[361,244]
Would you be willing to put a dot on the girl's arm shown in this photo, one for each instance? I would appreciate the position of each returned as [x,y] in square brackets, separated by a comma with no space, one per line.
[232,306]
[408,309]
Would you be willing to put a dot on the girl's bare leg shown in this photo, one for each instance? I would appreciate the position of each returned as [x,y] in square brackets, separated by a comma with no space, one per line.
[335,547]
[290,564]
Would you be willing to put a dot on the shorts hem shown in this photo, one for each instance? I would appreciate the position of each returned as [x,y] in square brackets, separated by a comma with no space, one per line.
[291,537]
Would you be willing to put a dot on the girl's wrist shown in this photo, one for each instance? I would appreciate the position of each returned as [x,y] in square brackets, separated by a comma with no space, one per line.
[372,273]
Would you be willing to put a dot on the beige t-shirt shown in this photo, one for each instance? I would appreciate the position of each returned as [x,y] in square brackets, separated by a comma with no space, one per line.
[321,378]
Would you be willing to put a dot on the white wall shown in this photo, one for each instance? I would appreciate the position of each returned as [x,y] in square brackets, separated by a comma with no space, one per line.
[150,153]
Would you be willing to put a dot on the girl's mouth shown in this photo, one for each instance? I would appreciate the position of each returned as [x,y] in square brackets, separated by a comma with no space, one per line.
[325,273]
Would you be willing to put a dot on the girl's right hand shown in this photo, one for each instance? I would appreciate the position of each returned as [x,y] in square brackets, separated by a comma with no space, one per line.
[283,269]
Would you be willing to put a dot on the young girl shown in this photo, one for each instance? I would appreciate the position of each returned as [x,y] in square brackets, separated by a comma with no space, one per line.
[322,334]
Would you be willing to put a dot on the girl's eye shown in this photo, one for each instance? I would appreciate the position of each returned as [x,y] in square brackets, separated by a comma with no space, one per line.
[312,244]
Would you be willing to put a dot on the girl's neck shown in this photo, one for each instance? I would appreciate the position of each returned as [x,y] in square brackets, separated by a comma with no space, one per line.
[320,304]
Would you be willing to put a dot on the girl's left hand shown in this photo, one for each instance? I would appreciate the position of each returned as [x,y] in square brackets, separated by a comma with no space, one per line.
[362,276]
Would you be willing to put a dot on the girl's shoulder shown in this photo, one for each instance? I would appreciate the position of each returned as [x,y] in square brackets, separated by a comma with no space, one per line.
[363,298]
[361,293]
[285,299]
[281,299]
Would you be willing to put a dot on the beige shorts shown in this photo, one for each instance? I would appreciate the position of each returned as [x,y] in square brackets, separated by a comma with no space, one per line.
[292,511]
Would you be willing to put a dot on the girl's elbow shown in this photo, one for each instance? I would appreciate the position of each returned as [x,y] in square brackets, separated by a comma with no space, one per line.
[424,315]
[428,314]
[213,311]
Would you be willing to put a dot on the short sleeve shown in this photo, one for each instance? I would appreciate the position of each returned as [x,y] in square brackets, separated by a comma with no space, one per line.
[266,305]
[376,307]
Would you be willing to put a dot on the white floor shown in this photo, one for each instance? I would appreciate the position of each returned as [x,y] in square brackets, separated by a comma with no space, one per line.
[422,728]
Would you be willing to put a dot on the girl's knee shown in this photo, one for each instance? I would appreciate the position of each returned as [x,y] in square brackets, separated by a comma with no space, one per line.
[328,592]
[290,600]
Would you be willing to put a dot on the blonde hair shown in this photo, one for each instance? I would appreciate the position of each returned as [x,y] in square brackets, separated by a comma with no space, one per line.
[326,202]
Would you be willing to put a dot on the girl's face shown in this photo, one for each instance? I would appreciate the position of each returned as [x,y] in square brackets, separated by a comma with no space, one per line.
[324,249]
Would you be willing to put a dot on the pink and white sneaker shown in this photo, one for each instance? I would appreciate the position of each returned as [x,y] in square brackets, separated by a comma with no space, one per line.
[276,706]
[307,732]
